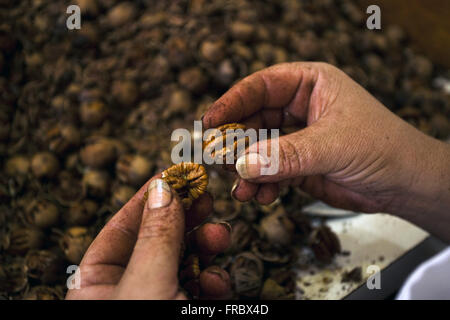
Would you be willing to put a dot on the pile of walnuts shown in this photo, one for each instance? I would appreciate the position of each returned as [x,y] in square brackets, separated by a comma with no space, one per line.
[86,117]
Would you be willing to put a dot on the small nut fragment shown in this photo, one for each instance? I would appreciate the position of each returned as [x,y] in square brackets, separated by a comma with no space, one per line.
[188,179]
[325,244]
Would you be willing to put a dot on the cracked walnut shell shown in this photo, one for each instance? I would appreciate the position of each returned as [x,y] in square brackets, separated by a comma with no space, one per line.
[188,179]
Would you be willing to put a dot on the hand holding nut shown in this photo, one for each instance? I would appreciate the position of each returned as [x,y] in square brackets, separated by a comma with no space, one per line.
[141,245]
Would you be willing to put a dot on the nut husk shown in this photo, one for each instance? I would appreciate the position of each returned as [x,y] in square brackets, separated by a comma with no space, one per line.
[246,274]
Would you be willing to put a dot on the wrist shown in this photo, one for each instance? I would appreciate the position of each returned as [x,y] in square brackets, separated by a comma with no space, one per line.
[426,200]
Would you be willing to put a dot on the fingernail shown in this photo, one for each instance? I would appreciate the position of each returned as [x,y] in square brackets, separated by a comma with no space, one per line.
[159,194]
[249,166]
[233,188]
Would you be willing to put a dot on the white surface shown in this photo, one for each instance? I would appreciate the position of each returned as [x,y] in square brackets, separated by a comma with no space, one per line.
[431,280]
[375,239]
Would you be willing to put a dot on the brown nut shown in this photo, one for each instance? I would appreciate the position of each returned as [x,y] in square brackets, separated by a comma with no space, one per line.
[324,243]
[92,113]
[44,265]
[121,195]
[60,138]
[95,183]
[17,165]
[42,213]
[74,243]
[177,51]
[193,79]
[121,14]
[43,293]
[44,165]
[20,240]
[277,228]
[13,276]
[246,274]
[179,102]
[188,179]
[125,92]
[88,7]
[81,213]
[272,290]
[98,152]
[302,224]
[133,169]
[213,51]
[242,31]
[242,234]
[269,253]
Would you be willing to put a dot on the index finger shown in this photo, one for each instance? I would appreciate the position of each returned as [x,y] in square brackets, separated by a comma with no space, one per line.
[274,87]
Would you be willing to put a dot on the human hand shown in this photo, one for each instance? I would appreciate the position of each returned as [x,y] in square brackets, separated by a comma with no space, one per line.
[352,152]
[136,255]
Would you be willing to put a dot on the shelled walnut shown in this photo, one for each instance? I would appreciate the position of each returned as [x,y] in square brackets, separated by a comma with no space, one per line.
[227,141]
[188,179]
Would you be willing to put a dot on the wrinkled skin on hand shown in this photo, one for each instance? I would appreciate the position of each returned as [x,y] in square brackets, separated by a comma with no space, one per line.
[349,151]
[136,255]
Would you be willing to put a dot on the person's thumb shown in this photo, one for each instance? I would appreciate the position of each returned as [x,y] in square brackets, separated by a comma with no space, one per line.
[302,153]
[153,266]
